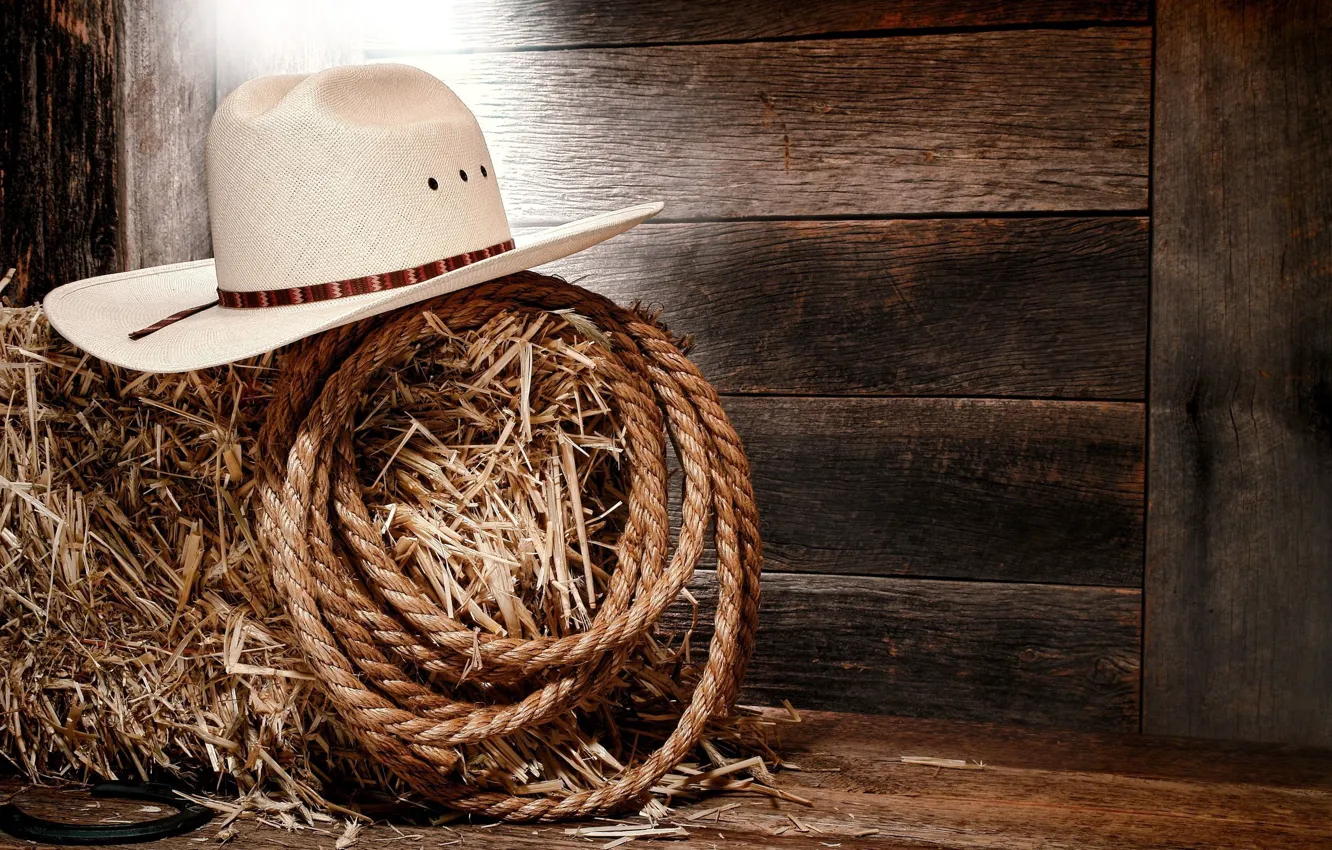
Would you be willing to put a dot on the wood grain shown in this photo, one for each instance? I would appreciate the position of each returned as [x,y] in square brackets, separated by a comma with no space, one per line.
[858,743]
[1239,586]
[406,25]
[1051,308]
[957,488]
[167,90]
[1010,653]
[1058,789]
[57,143]
[970,122]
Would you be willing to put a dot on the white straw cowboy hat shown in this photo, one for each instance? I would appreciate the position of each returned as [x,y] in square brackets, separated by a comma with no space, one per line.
[332,197]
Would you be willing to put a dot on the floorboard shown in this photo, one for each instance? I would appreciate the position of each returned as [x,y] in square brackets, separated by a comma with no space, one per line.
[1022,789]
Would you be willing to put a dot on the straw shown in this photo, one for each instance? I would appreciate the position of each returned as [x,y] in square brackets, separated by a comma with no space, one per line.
[141,627]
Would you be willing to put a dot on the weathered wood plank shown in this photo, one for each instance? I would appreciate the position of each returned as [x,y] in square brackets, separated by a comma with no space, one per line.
[994,808]
[399,25]
[1035,120]
[57,143]
[1051,308]
[956,488]
[1037,789]
[856,743]
[167,88]
[1011,653]
[1239,585]
[1043,789]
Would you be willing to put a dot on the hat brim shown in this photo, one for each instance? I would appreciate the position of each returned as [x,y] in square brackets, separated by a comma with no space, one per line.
[98,314]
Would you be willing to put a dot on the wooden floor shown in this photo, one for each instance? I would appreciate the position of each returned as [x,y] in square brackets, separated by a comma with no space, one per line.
[1022,789]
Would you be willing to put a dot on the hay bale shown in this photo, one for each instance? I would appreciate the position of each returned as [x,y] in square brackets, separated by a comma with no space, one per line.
[140,621]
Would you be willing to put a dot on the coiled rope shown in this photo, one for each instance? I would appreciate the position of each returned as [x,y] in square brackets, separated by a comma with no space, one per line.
[377,640]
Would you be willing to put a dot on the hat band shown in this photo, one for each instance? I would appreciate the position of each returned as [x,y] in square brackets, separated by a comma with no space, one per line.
[336,289]
[358,285]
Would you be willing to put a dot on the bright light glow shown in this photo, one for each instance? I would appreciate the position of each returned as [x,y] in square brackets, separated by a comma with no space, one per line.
[425,26]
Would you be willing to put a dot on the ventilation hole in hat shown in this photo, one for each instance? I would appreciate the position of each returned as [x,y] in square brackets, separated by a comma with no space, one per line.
[483,172]
[433,184]
[462,174]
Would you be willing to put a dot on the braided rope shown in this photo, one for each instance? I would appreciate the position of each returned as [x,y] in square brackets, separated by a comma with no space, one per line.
[369,630]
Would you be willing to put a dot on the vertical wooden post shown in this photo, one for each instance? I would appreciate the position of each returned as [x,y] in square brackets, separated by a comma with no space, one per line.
[57,143]
[1239,532]
[167,94]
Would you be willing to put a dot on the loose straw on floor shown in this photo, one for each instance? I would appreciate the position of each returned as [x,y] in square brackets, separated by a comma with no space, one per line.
[388,655]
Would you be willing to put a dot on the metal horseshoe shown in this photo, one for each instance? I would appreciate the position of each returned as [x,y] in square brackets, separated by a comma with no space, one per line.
[190,817]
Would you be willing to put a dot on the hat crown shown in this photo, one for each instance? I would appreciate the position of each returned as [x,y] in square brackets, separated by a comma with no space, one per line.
[350,172]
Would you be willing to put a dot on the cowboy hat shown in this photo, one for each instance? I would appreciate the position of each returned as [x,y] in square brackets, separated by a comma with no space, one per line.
[332,197]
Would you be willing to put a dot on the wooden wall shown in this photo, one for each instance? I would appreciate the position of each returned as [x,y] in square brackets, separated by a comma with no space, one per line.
[910,240]
[911,243]
[57,143]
